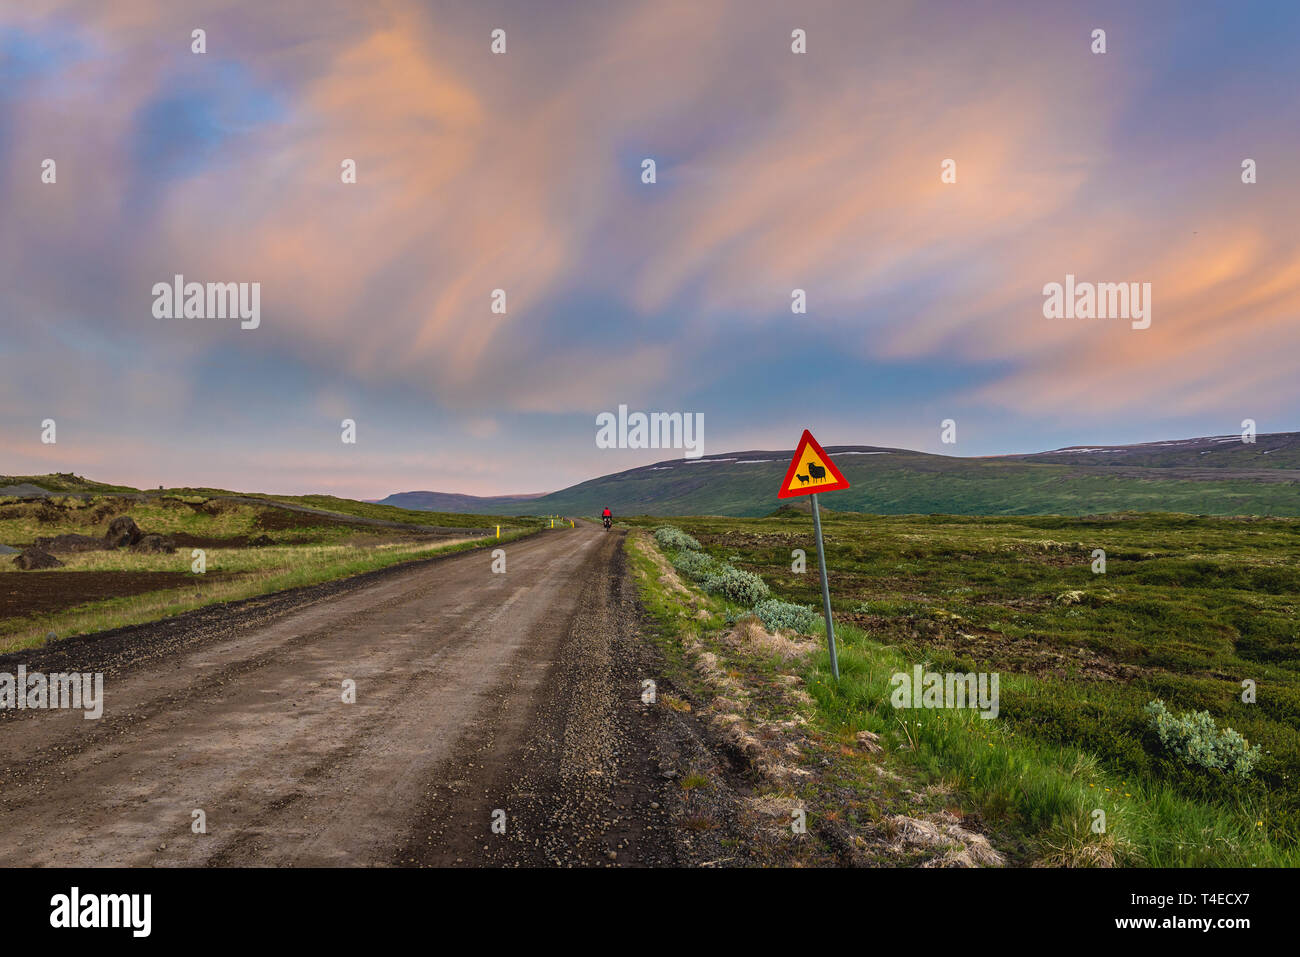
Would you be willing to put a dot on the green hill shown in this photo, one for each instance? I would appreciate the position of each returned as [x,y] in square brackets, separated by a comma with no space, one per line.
[1206,476]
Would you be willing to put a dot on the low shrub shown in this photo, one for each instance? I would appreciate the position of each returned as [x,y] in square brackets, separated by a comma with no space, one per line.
[696,566]
[714,576]
[674,539]
[743,588]
[1196,739]
[774,614]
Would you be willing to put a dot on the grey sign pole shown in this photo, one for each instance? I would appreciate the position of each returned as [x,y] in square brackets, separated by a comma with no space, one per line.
[826,591]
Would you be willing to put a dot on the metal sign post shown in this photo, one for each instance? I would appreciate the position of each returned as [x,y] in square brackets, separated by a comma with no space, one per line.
[812,471]
[826,590]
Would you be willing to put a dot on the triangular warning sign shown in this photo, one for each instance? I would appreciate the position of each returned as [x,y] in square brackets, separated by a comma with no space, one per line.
[811,470]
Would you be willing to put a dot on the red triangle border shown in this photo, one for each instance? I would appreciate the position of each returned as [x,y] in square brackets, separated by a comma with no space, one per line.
[806,440]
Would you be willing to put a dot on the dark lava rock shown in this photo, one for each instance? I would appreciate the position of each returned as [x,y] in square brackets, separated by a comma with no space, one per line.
[71,543]
[30,558]
[262,540]
[122,531]
[154,543]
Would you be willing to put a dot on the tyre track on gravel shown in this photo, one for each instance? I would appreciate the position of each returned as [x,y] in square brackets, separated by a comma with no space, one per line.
[253,731]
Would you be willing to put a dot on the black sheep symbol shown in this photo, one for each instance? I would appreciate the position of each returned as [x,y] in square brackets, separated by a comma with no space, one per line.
[803,479]
[816,471]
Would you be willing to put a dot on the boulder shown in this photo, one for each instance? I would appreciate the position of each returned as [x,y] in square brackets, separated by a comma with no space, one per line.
[122,531]
[154,543]
[70,543]
[31,558]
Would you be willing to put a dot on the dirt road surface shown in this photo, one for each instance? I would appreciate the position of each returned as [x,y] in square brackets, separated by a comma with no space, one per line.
[481,699]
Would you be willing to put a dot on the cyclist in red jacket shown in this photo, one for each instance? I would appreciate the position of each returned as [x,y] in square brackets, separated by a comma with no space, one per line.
[607,517]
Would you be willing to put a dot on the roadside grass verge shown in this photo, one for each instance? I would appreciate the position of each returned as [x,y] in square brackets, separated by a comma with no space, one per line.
[1046,795]
[1197,611]
[243,573]
[1064,749]
[673,622]
[252,560]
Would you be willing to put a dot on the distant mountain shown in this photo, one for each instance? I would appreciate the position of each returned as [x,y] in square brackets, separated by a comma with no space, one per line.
[1217,475]
[453,502]
[1280,450]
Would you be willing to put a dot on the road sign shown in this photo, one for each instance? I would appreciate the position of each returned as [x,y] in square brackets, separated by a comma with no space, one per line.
[811,471]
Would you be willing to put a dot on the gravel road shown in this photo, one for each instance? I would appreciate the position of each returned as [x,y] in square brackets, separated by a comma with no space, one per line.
[498,721]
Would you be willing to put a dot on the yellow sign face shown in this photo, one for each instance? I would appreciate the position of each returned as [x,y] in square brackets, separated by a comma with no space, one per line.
[811,470]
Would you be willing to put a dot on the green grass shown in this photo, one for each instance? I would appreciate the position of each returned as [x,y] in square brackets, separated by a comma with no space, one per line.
[231,575]
[1230,479]
[63,482]
[1041,792]
[22,523]
[1187,609]
[74,485]
[304,549]
[187,512]
[392,513]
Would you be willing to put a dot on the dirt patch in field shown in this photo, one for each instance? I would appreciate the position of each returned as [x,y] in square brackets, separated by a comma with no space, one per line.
[734,539]
[282,519]
[1027,655]
[291,519]
[71,543]
[182,540]
[34,593]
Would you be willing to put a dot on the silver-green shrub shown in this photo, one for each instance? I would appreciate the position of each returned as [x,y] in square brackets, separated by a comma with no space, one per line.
[713,575]
[1196,739]
[744,588]
[775,613]
[696,566]
[673,539]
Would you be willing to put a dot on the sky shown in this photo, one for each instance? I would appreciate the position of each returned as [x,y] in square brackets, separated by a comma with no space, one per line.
[523,171]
